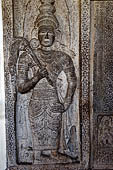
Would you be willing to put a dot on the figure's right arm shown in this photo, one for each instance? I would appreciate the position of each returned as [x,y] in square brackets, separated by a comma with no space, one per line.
[24,83]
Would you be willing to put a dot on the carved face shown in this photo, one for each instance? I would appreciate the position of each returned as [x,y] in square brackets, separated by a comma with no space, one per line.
[46,36]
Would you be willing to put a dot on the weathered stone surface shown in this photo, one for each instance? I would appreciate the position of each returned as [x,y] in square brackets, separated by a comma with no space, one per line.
[47,84]
[59,92]
[102,92]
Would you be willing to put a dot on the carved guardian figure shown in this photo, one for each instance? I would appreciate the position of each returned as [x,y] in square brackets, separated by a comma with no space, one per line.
[38,72]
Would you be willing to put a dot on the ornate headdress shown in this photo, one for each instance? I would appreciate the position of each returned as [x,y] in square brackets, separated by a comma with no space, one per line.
[46,16]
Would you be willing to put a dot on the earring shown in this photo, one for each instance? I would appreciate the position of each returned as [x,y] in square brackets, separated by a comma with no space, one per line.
[34,43]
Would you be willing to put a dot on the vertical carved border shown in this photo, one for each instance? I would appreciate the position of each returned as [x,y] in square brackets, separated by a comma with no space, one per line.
[85,79]
[7,7]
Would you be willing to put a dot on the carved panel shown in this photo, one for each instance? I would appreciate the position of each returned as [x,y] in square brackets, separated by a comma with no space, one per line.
[105,139]
[101,52]
[45,86]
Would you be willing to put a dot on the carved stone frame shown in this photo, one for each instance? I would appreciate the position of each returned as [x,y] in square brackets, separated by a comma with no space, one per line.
[84,92]
[101,157]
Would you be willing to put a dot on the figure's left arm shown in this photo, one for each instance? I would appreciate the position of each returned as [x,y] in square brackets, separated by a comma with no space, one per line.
[69,70]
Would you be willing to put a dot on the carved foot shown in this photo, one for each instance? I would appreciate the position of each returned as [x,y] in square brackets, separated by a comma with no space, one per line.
[66,153]
[46,153]
[26,157]
[71,154]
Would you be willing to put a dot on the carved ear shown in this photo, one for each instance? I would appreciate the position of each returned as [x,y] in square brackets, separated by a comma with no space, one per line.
[34,43]
[58,35]
[34,33]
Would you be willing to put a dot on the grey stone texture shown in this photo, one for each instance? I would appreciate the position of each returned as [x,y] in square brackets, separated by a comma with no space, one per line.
[58,83]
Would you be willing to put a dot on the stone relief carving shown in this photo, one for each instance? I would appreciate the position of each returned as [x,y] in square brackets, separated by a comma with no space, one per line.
[46,83]
[18,18]
[105,131]
[102,29]
[105,139]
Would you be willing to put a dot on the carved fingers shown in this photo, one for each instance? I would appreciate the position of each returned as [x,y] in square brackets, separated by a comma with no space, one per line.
[43,72]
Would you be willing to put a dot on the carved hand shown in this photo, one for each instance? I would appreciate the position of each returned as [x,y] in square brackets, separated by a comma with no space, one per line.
[43,72]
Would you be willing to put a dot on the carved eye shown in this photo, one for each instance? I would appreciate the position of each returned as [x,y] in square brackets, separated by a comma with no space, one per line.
[50,33]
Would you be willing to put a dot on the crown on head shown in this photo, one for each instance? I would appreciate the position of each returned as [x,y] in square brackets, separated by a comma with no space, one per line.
[47,16]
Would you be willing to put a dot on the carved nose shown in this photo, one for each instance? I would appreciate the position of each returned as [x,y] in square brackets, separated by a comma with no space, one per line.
[46,35]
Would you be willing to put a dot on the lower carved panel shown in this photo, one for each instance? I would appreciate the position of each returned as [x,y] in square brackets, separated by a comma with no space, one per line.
[105,139]
[105,132]
[105,156]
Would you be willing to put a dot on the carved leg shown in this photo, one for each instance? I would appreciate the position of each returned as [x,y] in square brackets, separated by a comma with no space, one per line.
[25,155]
[37,155]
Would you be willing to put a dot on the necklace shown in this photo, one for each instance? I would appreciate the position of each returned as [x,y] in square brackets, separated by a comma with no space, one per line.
[47,56]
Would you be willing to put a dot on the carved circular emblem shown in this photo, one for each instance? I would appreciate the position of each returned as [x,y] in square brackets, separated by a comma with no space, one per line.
[34,43]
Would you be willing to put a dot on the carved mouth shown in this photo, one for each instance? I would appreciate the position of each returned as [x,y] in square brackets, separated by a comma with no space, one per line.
[46,40]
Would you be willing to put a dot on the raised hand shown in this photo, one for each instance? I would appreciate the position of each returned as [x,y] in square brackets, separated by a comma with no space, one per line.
[43,72]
